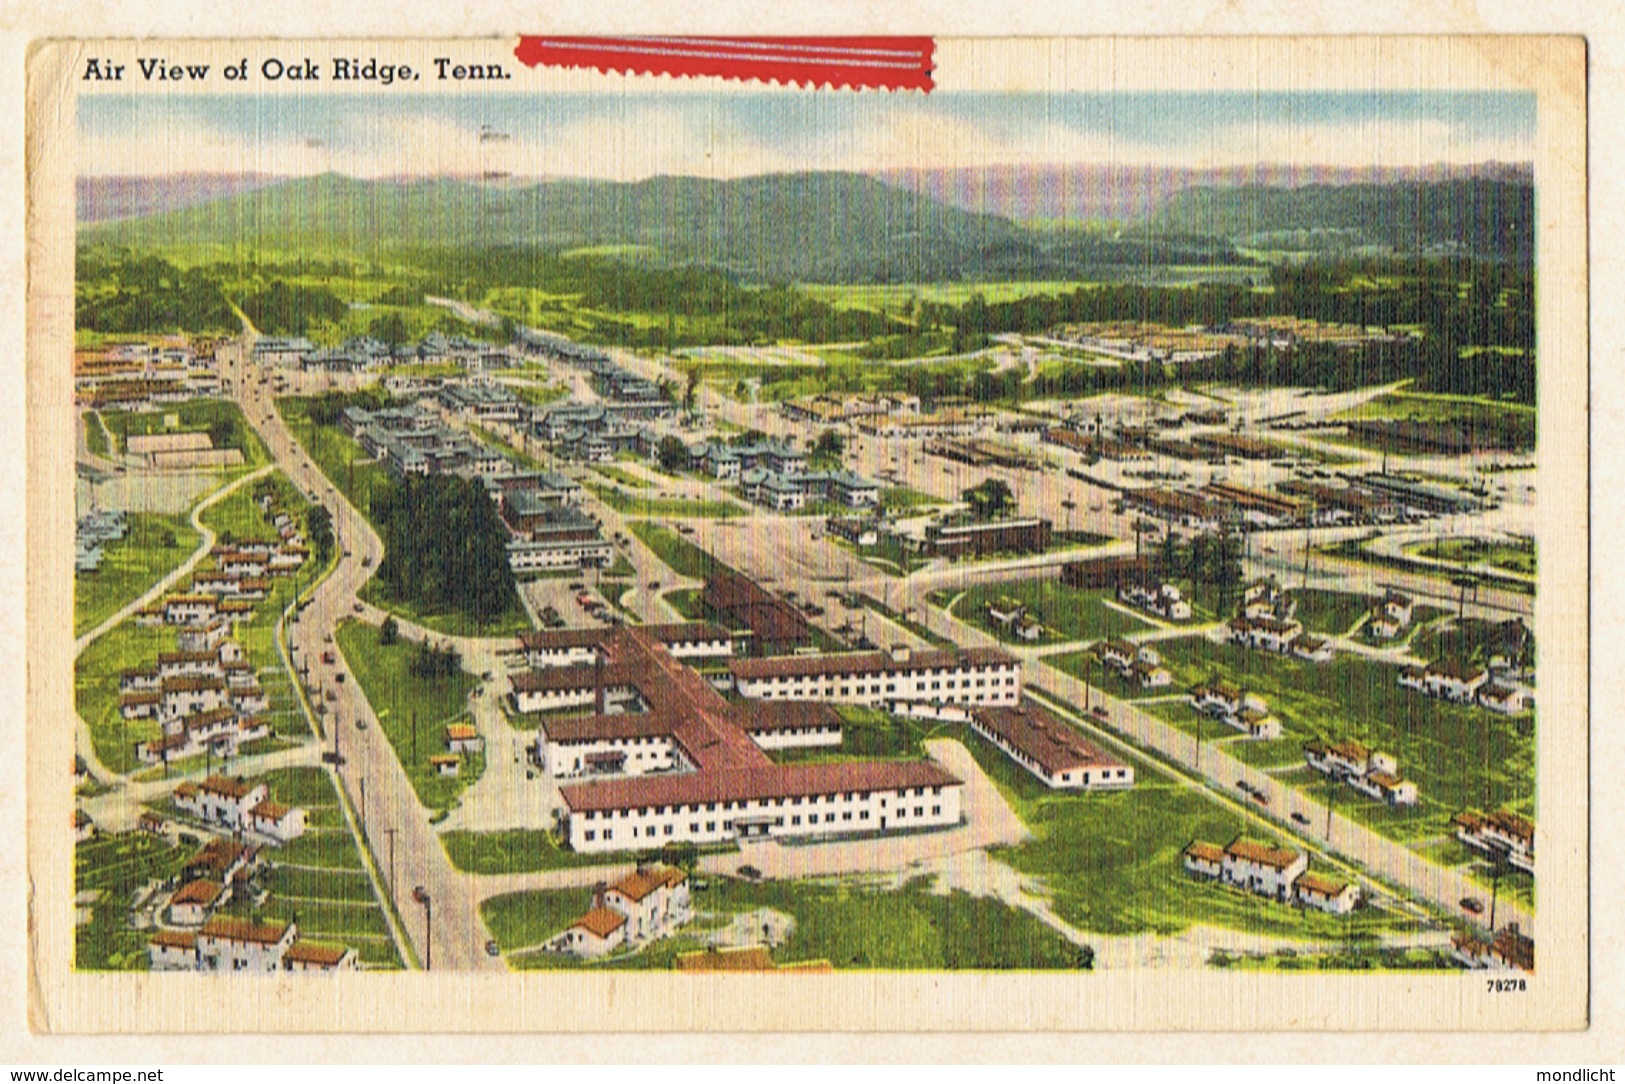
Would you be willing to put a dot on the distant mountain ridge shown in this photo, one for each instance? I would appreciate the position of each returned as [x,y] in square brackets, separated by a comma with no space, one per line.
[1090,192]
[807,227]
[107,199]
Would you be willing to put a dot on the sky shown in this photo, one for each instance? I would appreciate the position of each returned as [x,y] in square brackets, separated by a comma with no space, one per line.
[633,136]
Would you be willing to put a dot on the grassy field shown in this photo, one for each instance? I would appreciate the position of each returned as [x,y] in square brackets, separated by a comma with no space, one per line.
[1067,613]
[906,499]
[95,433]
[453,623]
[1458,756]
[403,700]
[679,554]
[1479,551]
[647,505]
[623,477]
[853,924]
[894,299]
[95,689]
[1112,861]
[1330,612]
[867,734]
[191,416]
[516,850]
[157,543]
[114,867]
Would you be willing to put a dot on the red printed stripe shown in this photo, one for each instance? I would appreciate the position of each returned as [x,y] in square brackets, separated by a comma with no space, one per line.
[881,63]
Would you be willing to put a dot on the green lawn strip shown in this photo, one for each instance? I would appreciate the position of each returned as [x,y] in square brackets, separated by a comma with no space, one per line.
[624,477]
[901,498]
[95,433]
[1276,753]
[889,555]
[1071,613]
[155,546]
[399,698]
[328,848]
[1329,613]
[867,734]
[1112,861]
[454,623]
[515,850]
[639,504]
[191,416]
[1353,957]
[679,554]
[688,602]
[319,883]
[324,920]
[853,924]
[1458,756]
[1475,551]
[879,607]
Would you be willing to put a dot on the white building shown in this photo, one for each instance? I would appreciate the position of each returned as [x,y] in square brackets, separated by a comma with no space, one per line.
[225,944]
[1049,748]
[770,801]
[1328,894]
[978,676]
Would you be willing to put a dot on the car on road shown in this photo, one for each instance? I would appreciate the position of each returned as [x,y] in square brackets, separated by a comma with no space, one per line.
[1099,710]
[1300,818]
[361,724]
[1261,798]
[329,658]
[420,894]
[1472,905]
[358,607]
[493,949]
[339,677]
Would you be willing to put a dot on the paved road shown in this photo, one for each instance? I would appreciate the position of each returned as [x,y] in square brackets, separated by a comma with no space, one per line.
[1384,857]
[458,936]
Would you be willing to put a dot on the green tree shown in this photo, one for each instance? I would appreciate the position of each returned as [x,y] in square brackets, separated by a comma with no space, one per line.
[990,499]
[389,632]
[829,446]
[319,530]
[673,454]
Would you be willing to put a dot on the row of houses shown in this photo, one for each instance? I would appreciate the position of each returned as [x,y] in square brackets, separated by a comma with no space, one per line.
[240,806]
[1139,664]
[790,491]
[1276,873]
[1464,683]
[1501,834]
[1371,772]
[145,374]
[242,946]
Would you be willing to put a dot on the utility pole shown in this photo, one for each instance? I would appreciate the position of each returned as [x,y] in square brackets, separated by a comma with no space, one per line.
[363,804]
[414,737]
[1495,887]
[390,832]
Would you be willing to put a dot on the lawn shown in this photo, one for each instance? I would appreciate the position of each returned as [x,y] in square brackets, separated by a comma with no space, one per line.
[853,924]
[340,458]
[1512,557]
[907,499]
[867,734]
[645,505]
[1068,613]
[191,416]
[95,689]
[689,602]
[156,545]
[452,623]
[1458,756]
[888,554]
[679,554]
[405,702]
[622,476]
[95,433]
[1329,612]
[515,850]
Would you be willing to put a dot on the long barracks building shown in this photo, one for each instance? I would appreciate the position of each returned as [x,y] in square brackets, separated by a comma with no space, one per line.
[974,676]
[689,765]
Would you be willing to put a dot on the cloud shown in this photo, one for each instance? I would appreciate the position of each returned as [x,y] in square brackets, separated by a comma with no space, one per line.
[634,138]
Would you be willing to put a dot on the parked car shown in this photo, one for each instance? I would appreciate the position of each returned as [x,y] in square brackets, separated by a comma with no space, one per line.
[1300,818]
[493,949]
[1260,797]
[1472,905]
[420,894]
[328,657]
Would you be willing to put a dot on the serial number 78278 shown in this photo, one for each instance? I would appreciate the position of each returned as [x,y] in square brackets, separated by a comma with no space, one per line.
[1506,986]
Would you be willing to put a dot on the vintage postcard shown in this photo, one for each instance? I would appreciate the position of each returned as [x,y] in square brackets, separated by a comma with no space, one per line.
[680,534]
